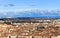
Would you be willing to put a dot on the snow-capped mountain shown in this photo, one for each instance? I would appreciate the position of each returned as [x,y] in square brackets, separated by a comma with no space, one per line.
[31,13]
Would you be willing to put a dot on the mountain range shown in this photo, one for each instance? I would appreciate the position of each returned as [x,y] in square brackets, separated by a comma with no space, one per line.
[31,13]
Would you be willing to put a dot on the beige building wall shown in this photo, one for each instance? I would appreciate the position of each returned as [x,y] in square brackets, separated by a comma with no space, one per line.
[56,37]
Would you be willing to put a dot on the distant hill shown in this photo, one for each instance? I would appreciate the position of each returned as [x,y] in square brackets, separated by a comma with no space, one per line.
[27,18]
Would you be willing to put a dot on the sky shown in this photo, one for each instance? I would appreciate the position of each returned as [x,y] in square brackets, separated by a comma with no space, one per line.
[14,5]
[17,8]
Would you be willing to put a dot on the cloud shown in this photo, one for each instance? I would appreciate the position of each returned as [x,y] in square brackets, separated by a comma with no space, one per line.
[33,4]
[4,13]
[31,13]
[11,5]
